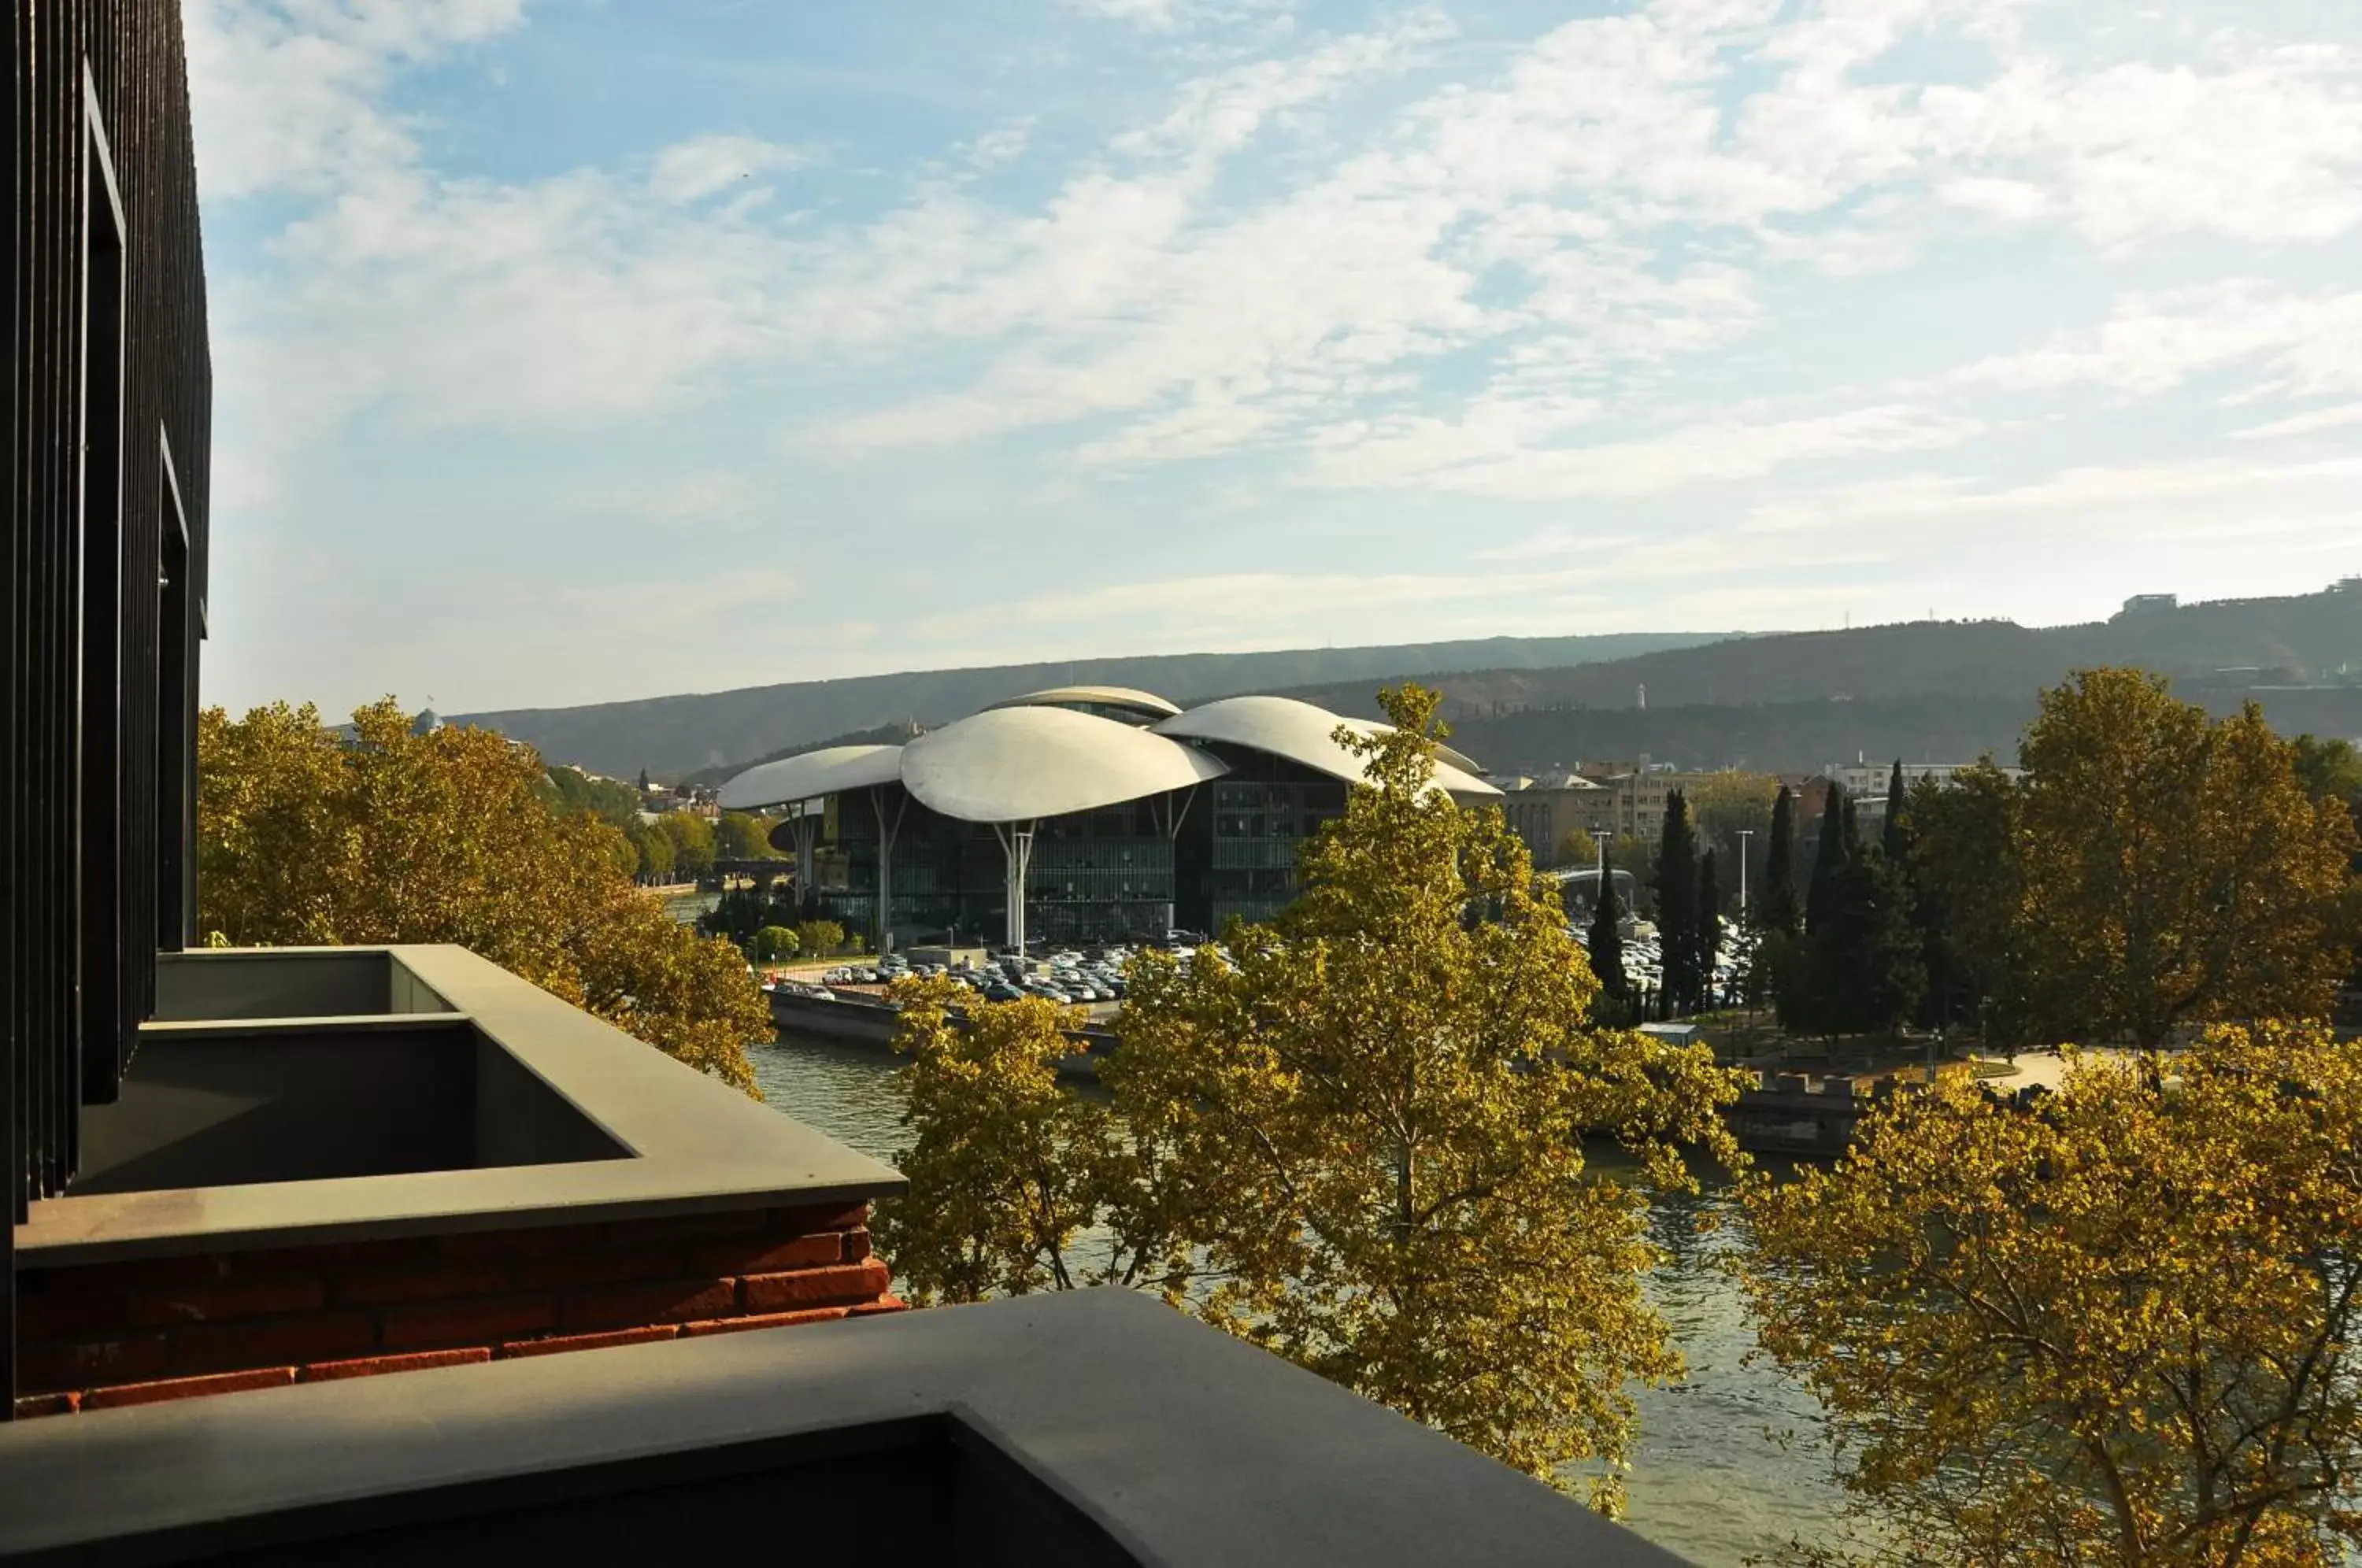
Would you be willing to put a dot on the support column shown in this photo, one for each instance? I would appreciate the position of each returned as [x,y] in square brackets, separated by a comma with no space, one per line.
[807,830]
[1016,852]
[885,833]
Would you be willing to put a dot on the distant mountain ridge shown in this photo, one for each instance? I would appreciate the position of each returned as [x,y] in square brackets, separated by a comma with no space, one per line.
[674,736]
[1774,700]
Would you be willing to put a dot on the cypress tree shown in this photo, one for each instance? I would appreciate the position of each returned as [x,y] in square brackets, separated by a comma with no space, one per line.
[1709,926]
[1608,934]
[1891,839]
[1779,904]
[1677,905]
[1828,854]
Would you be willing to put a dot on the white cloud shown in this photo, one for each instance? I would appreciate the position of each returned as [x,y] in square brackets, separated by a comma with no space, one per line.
[2305,423]
[2151,343]
[289,95]
[1703,454]
[707,165]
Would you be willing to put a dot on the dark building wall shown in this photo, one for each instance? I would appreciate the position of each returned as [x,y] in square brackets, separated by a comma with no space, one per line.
[102,600]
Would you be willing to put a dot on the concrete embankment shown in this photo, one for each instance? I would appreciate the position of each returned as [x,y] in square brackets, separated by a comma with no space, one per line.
[856,1019]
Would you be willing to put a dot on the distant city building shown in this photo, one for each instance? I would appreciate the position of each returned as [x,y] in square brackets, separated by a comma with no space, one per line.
[1631,799]
[2143,603]
[1544,815]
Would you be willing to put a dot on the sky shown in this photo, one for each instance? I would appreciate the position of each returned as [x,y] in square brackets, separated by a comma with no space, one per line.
[571,350]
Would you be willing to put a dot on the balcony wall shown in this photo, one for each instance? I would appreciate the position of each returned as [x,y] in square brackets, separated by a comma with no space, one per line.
[435,1163]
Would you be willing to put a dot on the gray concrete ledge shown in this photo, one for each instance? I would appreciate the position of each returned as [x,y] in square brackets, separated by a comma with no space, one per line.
[1176,1444]
[696,1145]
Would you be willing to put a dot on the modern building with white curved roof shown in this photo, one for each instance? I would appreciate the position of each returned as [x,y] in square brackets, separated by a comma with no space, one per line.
[1074,814]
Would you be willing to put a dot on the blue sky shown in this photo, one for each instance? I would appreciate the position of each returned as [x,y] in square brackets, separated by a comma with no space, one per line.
[577,350]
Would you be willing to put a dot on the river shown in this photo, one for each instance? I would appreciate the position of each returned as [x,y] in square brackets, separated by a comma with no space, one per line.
[1709,1481]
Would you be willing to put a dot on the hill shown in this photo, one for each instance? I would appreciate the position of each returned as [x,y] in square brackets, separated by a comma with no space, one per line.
[1787,701]
[1803,737]
[673,736]
[2238,642]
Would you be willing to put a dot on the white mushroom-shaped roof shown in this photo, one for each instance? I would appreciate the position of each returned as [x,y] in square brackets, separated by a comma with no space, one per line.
[1127,698]
[1007,765]
[812,773]
[1306,735]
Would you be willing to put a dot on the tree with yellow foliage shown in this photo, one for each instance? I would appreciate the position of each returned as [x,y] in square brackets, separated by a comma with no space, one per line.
[1353,1136]
[2121,1328]
[308,837]
[2156,868]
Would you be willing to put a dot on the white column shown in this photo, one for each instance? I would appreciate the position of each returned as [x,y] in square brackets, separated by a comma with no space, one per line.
[1017,850]
[885,833]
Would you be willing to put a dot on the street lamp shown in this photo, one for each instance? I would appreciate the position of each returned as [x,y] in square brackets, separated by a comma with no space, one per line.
[1744,834]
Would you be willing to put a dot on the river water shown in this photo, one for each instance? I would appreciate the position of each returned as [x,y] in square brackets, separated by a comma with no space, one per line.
[1710,1478]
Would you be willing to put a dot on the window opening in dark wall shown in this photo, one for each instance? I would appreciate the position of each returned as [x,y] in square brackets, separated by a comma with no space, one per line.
[102,687]
[176,708]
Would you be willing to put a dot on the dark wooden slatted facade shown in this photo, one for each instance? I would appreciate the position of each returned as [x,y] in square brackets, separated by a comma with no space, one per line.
[103,604]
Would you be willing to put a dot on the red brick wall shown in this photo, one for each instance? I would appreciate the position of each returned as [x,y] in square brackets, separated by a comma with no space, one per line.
[132,1332]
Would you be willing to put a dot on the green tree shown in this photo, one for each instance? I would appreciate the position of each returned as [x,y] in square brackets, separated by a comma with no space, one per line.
[773,943]
[2124,1330]
[818,936]
[693,843]
[1780,911]
[2329,769]
[1891,840]
[743,837]
[1829,854]
[651,852]
[1709,926]
[1357,1140]
[643,780]
[1966,854]
[1579,849]
[305,837]
[1677,916]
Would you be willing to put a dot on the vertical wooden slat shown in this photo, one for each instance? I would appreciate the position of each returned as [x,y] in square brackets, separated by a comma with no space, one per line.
[94,834]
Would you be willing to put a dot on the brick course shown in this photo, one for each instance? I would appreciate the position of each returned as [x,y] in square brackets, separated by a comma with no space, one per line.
[149,1330]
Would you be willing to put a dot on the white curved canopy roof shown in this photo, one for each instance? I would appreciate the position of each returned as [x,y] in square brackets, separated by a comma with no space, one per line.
[1009,765]
[1130,699]
[1306,735]
[822,772]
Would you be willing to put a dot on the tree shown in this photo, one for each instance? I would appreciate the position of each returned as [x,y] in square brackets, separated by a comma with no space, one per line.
[818,936]
[1709,941]
[449,836]
[693,843]
[2174,868]
[1779,901]
[2329,769]
[1677,906]
[1966,853]
[2125,1329]
[643,780]
[651,852]
[1352,1137]
[1829,854]
[743,837]
[773,943]
[1891,840]
[1607,947]
[1578,849]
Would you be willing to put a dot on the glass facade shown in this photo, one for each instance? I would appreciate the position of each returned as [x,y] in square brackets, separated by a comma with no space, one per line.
[1102,875]
[1239,857]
